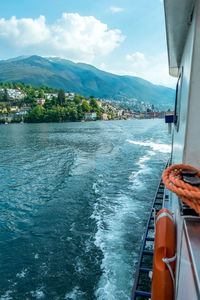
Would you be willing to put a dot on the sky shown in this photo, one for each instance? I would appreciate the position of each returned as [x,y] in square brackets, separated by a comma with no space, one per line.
[125,37]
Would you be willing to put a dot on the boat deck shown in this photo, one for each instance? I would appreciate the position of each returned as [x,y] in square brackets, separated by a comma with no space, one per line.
[142,284]
[189,257]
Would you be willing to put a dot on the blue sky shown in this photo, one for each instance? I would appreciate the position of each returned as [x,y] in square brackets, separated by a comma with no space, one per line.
[123,37]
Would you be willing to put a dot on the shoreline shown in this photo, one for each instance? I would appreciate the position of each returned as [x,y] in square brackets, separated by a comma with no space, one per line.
[20,123]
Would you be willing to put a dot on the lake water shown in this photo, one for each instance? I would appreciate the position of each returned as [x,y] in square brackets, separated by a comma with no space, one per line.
[74,198]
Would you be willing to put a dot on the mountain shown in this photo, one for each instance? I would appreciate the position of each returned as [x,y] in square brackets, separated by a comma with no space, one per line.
[84,79]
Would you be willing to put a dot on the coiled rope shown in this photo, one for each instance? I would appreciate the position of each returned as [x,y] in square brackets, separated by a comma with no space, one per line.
[172,179]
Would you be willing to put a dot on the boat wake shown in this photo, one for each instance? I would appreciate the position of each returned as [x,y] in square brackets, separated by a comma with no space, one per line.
[164,148]
[88,198]
[136,177]
[110,214]
[76,293]
[116,214]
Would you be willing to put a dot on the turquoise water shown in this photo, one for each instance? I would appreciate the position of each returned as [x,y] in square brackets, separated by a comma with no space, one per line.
[74,198]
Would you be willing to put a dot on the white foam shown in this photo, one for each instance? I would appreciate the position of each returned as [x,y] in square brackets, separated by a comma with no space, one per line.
[110,214]
[6,296]
[113,283]
[38,294]
[79,265]
[135,176]
[144,159]
[22,274]
[74,294]
[94,187]
[164,148]
[81,165]
[72,227]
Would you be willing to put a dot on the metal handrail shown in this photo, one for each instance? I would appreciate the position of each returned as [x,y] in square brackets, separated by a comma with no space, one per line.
[139,270]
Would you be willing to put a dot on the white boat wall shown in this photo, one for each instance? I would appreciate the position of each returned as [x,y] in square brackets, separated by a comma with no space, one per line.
[182,18]
[183,41]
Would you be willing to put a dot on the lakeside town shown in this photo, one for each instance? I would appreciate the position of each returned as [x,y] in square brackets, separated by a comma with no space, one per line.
[21,102]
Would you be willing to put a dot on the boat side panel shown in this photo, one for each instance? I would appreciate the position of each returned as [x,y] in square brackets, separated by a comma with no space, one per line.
[192,148]
[186,285]
[179,136]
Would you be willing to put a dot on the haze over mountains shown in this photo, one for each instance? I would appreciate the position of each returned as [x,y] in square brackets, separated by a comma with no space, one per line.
[84,79]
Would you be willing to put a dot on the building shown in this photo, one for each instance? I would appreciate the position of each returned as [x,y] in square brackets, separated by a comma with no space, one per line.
[142,115]
[90,116]
[70,96]
[41,101]
[15,94]
[120,112]
[4,110]
[23,111]
[104,117]
[14,109]
[151,114]
[49,96]
[99,102]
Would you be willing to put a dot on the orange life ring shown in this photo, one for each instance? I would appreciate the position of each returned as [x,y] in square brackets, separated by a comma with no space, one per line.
[162,282]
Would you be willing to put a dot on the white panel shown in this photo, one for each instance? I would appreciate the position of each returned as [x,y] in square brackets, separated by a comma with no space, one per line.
[192,147]
[186,284]
[179,137]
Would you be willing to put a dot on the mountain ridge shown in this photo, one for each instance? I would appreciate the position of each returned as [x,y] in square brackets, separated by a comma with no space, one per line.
[84,79]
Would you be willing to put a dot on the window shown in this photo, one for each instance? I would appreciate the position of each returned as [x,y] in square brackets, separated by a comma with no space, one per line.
[178,102]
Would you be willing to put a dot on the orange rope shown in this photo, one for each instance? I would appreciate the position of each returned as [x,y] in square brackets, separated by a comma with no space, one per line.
[172,179]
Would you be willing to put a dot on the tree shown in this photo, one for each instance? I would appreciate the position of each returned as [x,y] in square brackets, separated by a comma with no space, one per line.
[8,106]
[48,104]
[30,96]
[80,112]
[1,96]
[36,114]
[77,99]
[85,106]
[41,93]
[5,95]
[73,115]
[10,85]
[61,97]
[94,104]
[54,100]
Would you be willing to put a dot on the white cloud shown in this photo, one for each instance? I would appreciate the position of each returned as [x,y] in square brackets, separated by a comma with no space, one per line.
[152,68]
[72,36]
[137,60]
[102,66]
[23,32]
[114,9]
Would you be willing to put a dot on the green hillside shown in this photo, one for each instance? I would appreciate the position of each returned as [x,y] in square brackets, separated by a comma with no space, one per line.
[84,79]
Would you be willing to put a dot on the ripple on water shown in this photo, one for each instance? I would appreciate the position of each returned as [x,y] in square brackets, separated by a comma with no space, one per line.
[73,215]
